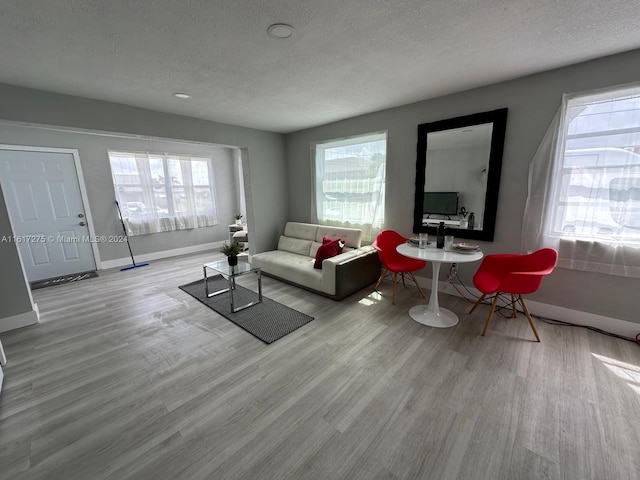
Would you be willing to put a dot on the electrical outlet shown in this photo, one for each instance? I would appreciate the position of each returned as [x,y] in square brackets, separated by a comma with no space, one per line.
[453,271]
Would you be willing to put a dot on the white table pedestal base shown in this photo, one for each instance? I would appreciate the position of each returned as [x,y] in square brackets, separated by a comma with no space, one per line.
[443,318]
[432,315]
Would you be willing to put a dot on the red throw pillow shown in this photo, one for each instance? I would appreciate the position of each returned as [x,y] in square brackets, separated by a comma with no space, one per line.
[340,243]
[328,249]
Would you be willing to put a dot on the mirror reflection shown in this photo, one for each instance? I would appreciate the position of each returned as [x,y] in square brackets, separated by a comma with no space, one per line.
[458,174]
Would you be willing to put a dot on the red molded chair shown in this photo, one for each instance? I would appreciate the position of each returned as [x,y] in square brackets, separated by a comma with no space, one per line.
[386,243]
[514,274]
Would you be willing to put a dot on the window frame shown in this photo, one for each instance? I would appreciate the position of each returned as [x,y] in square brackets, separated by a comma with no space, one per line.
[173,216]
[559,193]
[318,164]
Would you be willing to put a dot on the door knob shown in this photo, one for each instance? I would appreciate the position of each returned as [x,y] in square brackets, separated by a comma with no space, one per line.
[82,224]
[80,215]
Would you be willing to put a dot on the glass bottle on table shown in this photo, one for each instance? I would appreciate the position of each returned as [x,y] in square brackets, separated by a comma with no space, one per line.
[440,236]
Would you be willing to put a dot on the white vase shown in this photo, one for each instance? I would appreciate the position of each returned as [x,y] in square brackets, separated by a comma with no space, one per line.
[239,222]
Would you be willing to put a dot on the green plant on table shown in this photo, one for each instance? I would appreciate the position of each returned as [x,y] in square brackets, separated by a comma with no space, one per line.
[232,249]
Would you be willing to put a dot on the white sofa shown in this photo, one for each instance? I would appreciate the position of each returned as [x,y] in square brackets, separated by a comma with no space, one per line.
[342,275]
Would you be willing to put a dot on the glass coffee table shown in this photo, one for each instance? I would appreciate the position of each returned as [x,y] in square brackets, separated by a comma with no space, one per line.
[230,274]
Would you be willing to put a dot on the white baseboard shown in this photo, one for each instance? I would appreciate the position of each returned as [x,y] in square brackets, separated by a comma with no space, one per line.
[18,321]
[554,312]
[147,257]
[607,324]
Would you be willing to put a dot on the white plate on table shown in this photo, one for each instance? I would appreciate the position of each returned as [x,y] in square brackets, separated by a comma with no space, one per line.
[466,248]
[416,242]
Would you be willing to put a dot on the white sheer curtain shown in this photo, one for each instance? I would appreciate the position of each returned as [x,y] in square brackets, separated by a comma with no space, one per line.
[160,193]
[584,184]
[349,182]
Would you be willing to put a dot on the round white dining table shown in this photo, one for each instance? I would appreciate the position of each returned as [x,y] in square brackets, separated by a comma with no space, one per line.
[431,314]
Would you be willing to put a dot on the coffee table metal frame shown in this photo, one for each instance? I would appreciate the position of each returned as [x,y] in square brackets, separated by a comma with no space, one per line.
[230,273]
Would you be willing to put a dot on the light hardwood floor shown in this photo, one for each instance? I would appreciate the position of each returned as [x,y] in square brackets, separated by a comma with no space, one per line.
[128,377]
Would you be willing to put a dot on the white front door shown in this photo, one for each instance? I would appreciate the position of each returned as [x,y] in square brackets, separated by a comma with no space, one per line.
[47,213]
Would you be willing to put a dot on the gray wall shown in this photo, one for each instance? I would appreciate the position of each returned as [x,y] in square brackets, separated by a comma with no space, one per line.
[532,102]
[92,150]
[263,163]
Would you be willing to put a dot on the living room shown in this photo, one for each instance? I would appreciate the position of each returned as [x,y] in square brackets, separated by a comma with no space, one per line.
[532,103]
[277,183]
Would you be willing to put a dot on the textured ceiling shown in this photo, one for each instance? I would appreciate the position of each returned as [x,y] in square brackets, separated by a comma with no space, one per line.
[346,58]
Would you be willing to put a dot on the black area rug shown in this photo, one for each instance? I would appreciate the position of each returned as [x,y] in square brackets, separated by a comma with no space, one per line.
[268,320]
[49,282]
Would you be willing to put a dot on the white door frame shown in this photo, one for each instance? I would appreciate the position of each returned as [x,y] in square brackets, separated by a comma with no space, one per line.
[80,177]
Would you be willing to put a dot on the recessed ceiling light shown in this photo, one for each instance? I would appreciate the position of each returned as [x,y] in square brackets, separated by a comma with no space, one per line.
[181,95]
[280,30]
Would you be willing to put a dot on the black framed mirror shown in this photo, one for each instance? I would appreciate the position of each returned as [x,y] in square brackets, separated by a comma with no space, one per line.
[458,174]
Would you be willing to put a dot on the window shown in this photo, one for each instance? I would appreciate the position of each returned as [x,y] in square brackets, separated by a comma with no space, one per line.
[595,193]
[350,182]
[584,184]
[163,192]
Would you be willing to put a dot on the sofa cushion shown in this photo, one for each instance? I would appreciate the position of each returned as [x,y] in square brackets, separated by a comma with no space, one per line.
[314,249]
[295,245]
[306,231]
[293,268]
[350,236]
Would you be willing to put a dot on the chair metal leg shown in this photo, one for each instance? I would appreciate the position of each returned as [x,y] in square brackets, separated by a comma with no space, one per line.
[526,312]
[380,279]
[493,307]
[417,284]
[478,302]
[513,305]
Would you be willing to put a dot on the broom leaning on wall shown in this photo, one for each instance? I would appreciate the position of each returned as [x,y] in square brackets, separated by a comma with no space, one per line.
[126,236]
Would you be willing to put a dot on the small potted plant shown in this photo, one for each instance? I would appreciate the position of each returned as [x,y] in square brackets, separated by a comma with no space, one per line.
[238,217]
[231,250]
